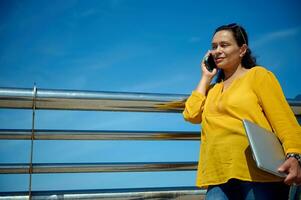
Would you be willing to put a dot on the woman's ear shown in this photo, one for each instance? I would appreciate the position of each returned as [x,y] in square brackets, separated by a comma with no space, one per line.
[243,50]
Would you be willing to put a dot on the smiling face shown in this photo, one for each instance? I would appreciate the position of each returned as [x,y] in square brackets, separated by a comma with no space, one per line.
[227,53]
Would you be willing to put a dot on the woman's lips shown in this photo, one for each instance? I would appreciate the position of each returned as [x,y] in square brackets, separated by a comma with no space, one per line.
[218,60]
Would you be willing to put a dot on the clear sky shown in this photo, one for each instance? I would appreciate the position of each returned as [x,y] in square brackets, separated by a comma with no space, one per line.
[128,46]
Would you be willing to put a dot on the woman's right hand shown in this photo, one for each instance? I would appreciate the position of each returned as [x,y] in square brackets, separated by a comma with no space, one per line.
[206,77]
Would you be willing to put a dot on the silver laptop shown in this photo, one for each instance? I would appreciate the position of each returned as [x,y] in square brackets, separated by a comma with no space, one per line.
[266,148]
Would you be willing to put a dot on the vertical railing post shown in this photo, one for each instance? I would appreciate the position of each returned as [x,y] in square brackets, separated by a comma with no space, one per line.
[32,140]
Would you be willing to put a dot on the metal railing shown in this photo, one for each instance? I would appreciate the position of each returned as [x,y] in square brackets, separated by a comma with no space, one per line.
[36,99]
[99,101]
[182,193]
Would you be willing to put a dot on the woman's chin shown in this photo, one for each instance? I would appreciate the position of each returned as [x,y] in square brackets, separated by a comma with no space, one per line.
[219,66]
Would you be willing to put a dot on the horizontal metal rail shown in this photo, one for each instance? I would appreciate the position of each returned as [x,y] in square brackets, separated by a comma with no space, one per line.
[88,100]
[25,134]
[105,101]
[39,168]
[183,193]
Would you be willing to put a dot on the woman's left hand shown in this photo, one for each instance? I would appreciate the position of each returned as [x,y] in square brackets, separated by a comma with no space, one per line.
[292,168]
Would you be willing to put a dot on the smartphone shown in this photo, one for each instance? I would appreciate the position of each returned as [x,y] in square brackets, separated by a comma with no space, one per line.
[209,62]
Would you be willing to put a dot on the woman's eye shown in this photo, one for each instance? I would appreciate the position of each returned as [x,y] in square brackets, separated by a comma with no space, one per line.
[224,45]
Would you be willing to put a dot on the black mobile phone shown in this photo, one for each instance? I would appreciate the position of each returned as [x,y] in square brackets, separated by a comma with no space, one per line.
[209,62]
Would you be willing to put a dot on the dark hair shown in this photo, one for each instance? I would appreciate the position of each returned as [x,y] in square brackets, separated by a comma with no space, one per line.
[240,35]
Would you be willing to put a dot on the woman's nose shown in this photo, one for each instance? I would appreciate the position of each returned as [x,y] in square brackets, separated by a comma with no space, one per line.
[217,51]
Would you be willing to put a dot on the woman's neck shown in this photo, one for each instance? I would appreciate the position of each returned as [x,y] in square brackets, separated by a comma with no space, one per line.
[233,73]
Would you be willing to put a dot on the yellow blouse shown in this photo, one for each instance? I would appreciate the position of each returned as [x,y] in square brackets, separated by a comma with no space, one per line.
[225,152]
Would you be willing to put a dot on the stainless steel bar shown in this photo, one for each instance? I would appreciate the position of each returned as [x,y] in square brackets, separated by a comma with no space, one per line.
[25,134]
[38,168]
[97,100]
[32,140]
[183,193]
[88,100]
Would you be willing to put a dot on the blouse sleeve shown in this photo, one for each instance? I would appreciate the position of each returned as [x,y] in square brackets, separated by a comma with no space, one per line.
[194,108]
[278,111]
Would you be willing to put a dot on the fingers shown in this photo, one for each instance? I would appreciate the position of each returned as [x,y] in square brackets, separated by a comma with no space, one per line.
[290,178]
[293,170]
[203,63]
[203,60]
[214,71]
[284,167]
[205,72]
[293,178]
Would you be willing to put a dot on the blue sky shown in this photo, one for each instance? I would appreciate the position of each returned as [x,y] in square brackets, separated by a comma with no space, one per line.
[127,46]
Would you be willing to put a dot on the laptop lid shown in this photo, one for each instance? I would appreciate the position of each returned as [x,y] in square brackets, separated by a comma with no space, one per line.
[266,148]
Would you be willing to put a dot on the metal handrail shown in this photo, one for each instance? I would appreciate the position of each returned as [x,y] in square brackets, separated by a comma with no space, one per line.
[183,193]
[105,101]
[25,134]
[39,168]
[88,100]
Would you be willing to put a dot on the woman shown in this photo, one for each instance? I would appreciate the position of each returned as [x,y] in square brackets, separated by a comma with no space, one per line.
[242,91]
